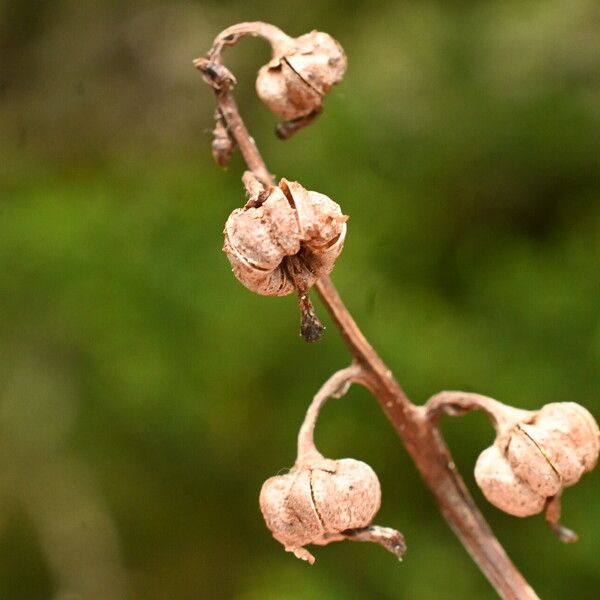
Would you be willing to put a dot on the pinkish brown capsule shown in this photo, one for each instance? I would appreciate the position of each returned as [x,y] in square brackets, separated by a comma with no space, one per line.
[534,459]
[283,240]
[291,225]
[315,502]
[293,84]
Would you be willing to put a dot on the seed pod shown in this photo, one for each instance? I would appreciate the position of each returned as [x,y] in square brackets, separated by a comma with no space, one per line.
[536,457]
[301,72]
[322,500]
[291,222]
[316,501]
[284,239]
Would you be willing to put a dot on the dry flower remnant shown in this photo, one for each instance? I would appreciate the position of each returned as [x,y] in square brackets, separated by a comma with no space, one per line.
[322,500]
[535,456]
[284,239]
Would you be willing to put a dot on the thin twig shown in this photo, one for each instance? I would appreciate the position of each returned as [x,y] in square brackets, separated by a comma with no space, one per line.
[418,431]
[335,387]
[503,417]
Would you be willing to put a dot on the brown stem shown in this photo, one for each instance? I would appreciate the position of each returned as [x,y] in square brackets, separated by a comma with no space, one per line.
[335,387]
[418,431]
[228,37]
[503,417]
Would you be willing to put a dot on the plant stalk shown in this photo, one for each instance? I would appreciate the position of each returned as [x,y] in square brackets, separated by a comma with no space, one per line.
[416,429]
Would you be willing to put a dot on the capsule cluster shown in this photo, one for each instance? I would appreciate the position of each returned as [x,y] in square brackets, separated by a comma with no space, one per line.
[535,458]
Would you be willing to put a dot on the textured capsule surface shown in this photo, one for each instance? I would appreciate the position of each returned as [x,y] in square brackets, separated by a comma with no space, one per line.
[349,498]
[315,502]
[294,82]
[503,488]
[536,459]
[293,237]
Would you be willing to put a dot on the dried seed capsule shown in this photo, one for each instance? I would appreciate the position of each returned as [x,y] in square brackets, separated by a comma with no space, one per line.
[535,458]
[315,502]
[322,500]
[301,72]
[284,239]
[284,92]
[290,222]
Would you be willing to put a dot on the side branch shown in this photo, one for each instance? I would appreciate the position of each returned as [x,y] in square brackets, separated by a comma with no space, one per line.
[335,387]
[458,403]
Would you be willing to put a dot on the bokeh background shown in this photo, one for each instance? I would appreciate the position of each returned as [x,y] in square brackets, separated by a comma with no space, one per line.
[145,394]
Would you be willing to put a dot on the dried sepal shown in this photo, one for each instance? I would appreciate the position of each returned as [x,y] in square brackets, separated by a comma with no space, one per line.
[322,500]
[289,221]
[283,240]
[535,457]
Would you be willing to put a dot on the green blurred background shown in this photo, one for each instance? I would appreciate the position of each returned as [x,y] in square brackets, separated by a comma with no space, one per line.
[145,394]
